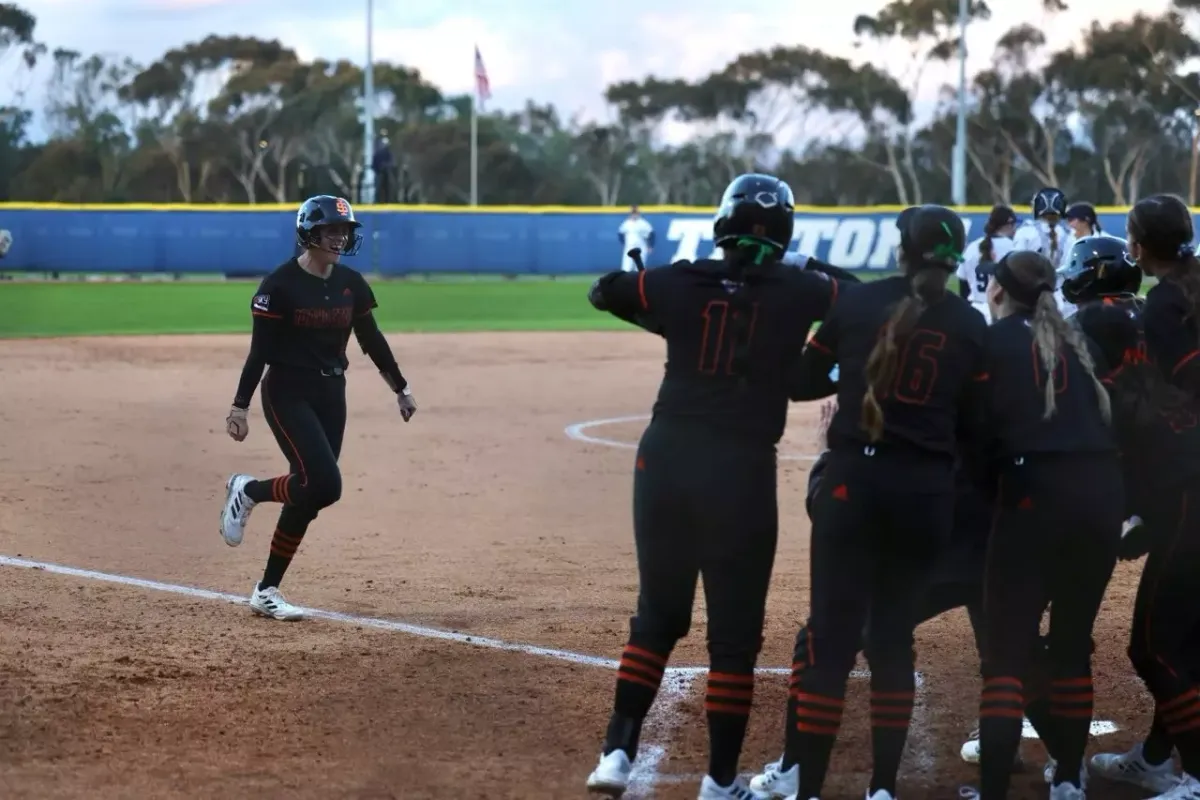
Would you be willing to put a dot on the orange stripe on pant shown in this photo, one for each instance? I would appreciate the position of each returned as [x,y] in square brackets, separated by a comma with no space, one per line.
[1072,697]
[891,709]
[641,666]
[1002,697]
[729,693]
[818,714]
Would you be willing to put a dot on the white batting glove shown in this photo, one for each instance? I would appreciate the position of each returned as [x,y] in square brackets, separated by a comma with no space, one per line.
[828,409]
[408,403]
[236,424]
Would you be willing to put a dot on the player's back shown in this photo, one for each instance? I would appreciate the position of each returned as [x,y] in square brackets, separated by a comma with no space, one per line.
[973,258]
[937,361]
[731,338]
[1017,381]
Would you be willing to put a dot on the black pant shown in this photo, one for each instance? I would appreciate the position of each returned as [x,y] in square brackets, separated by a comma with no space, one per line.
[875,539]
[306,412]
[704,503]
[1057,529]
[881,517]
[1164,643]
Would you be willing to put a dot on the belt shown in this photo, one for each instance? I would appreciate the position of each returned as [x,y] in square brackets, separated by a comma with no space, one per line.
[326,372]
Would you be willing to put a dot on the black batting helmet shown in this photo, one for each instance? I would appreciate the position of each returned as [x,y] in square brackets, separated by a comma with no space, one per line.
[933,236]
[1099,266]
[1049,200]
[325,209]
[757,207]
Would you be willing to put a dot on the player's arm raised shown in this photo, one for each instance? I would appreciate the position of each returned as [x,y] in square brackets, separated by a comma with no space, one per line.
[375,345]
[635,297]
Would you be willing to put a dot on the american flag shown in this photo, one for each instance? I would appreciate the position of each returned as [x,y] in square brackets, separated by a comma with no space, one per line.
[482,87]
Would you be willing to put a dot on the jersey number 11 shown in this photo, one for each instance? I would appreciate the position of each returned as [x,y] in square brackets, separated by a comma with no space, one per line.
[719,338]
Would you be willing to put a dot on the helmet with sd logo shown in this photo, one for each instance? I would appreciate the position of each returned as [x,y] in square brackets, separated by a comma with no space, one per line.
[324,210]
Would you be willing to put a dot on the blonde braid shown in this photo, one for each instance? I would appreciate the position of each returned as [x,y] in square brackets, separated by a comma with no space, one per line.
[1050,333]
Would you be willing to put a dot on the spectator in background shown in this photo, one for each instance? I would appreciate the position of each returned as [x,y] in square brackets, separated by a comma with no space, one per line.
[383,164]
[635,231]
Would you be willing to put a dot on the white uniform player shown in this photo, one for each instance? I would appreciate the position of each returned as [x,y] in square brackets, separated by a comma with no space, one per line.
[635,231]
[968,270]
[1046,233]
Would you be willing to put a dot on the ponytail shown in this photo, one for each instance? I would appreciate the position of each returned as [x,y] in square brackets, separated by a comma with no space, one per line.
[928,285]
[1050,334]
[1186,273]
[1053,255]
[986,251]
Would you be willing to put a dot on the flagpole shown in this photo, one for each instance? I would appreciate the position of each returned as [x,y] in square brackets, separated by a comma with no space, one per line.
[474,149]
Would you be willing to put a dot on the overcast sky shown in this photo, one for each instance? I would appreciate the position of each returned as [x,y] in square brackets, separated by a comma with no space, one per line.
[559,51]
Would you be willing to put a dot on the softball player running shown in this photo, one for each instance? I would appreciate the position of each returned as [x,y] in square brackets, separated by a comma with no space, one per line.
[704,486]
[303,315]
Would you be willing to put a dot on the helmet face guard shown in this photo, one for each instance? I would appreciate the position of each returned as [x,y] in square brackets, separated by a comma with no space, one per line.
[312,239]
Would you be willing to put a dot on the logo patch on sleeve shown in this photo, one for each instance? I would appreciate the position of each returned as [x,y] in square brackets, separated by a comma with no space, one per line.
[261,302]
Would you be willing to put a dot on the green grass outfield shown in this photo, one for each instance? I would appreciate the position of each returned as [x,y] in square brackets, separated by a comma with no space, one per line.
[76,308]
[442,305]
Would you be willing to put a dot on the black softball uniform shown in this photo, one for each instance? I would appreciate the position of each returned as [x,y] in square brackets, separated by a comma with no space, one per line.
[302,324]
[1059,511]
[704,487]
[1173,335]
[881,516]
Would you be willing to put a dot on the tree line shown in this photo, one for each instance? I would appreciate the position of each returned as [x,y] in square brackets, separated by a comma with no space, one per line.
[235,119]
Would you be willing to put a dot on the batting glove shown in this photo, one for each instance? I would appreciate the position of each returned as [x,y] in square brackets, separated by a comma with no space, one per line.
[236,424]
[408,403]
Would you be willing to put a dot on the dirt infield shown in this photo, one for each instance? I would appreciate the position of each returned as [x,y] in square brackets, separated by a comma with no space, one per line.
[481,516]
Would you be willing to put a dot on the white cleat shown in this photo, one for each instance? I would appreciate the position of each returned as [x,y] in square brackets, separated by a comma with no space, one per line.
[1131,767]
[237,509]
[970,751]
[1187,788]
[611,776]
[1067,791]
[1052,767]
[773,782]
[882,794]
[738,790]
[270,602]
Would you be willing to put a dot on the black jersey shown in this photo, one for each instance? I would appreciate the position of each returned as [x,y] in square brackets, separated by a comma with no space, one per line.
[1173,335]
[303,321]
[935,378]
[708,315]
[1016,380]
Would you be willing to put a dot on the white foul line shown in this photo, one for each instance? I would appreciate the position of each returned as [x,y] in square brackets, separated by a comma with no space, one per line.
[677,681]
[576,431]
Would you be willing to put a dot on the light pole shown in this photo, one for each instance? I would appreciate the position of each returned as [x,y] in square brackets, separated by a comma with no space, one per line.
[368,181]
[959,175]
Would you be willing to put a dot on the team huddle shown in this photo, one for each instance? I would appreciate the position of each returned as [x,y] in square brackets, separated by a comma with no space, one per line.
[998,448]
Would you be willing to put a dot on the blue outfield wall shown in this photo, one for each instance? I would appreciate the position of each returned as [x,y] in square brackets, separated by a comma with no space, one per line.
[251,240]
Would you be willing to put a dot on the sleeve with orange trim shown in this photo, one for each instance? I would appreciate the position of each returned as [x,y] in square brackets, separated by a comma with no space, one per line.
[1171,339]
[809,379]
[632,296]
[371,339]
[267,311]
